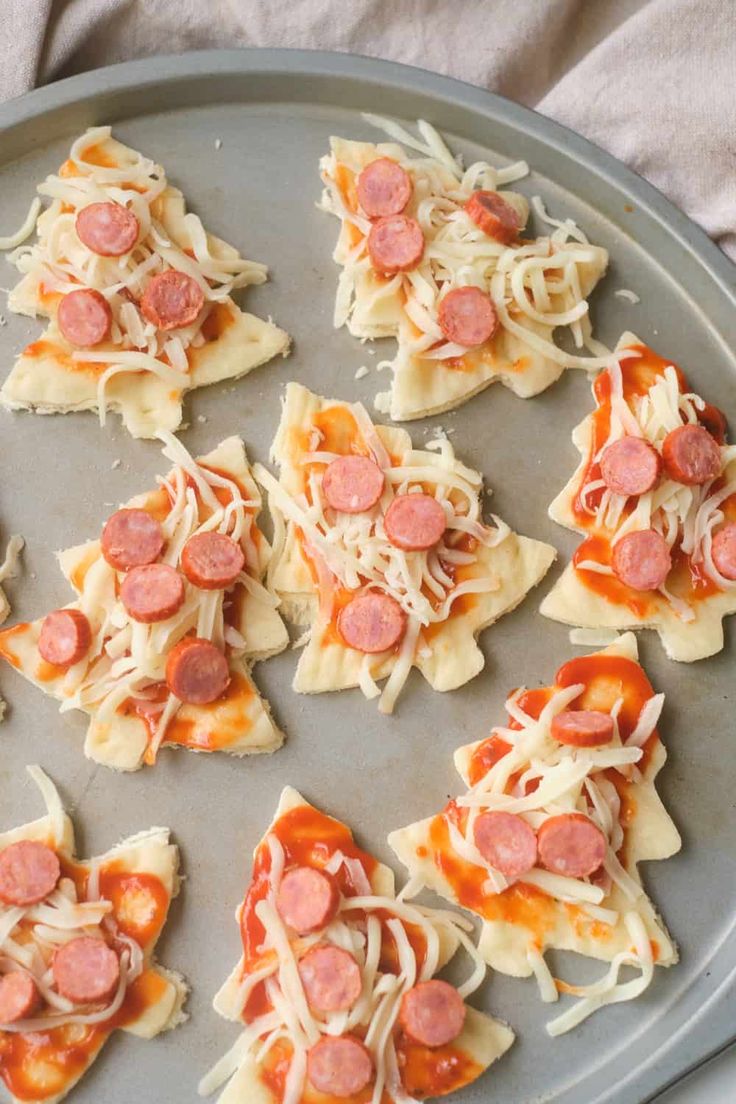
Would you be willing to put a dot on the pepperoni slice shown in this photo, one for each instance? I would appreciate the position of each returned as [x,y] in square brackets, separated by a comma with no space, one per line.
[714,420]
[384,188]
[172,299]
[352,484]
[153,592]
[630,466]
[507,842]
[467,316]
[372,622]
[340,1066]
[571,844]
[19,997]
[212,561]
[690,455]
[432,1013]
[415,522]
[86,970]
[642,559]
[84,317]
[331,978]
[65,637]
[494,216]
[131,538]
[197,671]
[395,244]
[108,229]
[29,871]
[307,899]
[582,728]
[723,550]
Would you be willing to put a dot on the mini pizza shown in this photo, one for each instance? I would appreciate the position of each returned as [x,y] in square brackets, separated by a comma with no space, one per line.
[383,551]
[7,571]
[137,293]
[655,497]
[170,611]
[78,940]
[335,986]
[544,844]
[433,255]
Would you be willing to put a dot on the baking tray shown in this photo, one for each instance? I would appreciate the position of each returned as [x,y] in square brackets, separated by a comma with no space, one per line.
[274,111]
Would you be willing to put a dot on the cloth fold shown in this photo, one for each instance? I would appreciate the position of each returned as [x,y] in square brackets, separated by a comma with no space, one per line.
[650,80]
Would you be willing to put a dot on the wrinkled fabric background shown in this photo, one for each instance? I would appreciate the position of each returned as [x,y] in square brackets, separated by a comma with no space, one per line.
[653,81]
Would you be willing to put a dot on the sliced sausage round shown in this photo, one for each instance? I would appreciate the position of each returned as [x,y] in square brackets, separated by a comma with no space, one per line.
[372,622]
[630,466]
[339,1066]
[19,997]
[86,970]
[29,871]
[84,317]
[153,592]
[432,1013]
[172,299]
[331,978]
[108,229]
[307,899]
[571,844]
[506,841]
[723,550]
[582,728]
[65,637]
[714,420]
[690,455]
[415,522]
[352,484]
[467,316]
[642,559]
[131,538]
[384,188]
[395,244]
[212,561]
[196,671]
[494,216]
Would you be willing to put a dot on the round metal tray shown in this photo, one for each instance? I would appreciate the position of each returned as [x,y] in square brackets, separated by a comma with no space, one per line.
[274,111]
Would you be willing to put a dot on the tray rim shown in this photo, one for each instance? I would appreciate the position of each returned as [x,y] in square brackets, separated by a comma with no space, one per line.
[159,71]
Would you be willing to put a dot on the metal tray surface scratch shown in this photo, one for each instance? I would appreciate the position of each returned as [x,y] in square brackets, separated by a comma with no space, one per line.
[274,111]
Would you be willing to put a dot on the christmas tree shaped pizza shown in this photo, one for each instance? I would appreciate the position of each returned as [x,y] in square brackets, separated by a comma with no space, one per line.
[544,844]
[432,255]
[335,988]
[170,611]
[655,497]
[382,549]
[137,293]
[77,940]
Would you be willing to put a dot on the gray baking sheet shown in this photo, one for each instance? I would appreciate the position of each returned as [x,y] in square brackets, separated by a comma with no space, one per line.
[274,112]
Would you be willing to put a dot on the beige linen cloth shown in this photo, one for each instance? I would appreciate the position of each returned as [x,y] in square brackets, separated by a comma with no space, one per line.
[653,81]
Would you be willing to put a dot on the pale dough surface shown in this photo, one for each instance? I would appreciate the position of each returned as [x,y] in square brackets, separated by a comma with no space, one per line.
[518,564]
[574,603]
[122,744]
[650,835]
[50,382]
